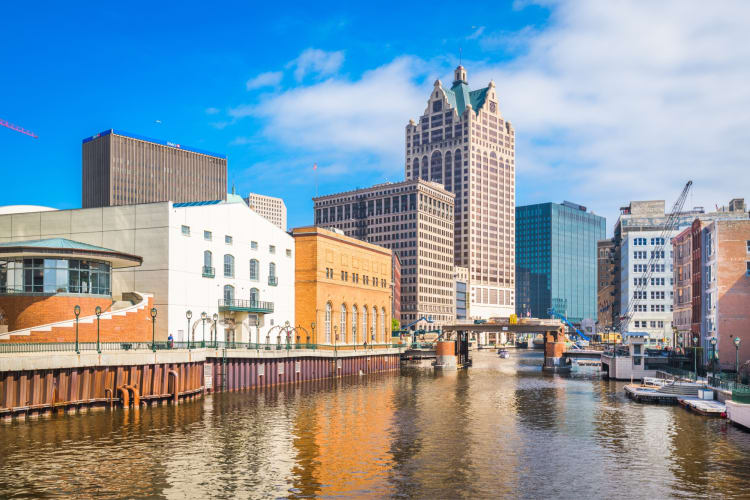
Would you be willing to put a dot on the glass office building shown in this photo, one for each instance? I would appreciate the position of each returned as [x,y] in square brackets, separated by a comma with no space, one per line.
[556,256]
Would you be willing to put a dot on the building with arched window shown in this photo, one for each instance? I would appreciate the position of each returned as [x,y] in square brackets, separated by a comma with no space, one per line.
[343,286]
[214,256]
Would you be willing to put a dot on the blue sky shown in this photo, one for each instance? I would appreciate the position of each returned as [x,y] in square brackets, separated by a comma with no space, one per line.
[610,101]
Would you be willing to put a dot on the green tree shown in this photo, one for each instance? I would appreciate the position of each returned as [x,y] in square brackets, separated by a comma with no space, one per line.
[395,324]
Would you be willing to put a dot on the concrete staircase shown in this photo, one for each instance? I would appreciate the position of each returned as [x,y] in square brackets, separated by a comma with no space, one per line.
[126,320]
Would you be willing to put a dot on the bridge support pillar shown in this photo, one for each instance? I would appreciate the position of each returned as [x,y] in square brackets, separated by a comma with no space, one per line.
[554,348]
[445,355]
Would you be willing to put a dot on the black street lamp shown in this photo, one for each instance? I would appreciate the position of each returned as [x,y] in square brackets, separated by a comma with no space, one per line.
[695,357]
[77,312]
[204,315]
[312,326]
[153,329]
[188,315]
[335,337]
[713,354]
[216,331]
[737,341]
[98,312]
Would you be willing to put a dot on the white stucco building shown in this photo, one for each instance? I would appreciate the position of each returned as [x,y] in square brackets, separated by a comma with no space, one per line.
[215,257]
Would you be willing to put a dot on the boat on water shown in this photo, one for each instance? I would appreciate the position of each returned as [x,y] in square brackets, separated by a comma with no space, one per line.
[503,353]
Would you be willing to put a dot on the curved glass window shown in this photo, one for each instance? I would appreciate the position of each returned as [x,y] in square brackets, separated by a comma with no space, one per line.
[342,320]
[384,338]
[354,324]
[374,330]
[228,293]
[328,323]
[364,323]
[254,294]
[51,276]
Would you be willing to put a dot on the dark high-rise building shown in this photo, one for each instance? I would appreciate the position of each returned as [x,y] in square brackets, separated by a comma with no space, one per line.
[556,260]
[126,169]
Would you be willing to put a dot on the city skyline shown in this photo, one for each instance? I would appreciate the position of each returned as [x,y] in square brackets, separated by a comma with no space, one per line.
[276,111]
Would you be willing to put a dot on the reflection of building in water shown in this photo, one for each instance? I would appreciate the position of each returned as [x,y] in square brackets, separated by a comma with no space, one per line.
[343,444]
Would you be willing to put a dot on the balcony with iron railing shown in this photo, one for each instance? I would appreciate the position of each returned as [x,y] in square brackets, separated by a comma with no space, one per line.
[208,272]
[273,280]
[253,306]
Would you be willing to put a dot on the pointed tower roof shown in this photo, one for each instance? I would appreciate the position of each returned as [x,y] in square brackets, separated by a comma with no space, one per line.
[460,96]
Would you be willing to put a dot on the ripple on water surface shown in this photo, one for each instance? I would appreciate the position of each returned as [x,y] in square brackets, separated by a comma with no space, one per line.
[500,429]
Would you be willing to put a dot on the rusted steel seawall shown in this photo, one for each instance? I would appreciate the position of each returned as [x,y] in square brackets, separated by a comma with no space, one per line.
[42,384]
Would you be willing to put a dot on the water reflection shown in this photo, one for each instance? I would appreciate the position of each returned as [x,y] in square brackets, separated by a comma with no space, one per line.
[502,429]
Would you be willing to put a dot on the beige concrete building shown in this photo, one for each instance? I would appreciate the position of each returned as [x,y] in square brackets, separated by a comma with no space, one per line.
[273,209]
[126,169]
[463,142]
[413,218]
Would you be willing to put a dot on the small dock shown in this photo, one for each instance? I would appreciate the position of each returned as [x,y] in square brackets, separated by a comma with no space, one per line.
[705,407]
[642,394]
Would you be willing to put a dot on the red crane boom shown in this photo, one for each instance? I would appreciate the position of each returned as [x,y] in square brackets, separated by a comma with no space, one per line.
[18,129]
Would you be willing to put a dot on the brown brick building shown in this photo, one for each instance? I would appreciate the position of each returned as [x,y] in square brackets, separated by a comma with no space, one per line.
[605,275]
[343,286]
[126,169]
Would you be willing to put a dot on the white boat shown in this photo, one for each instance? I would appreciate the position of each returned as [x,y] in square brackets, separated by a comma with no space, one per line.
[503,353]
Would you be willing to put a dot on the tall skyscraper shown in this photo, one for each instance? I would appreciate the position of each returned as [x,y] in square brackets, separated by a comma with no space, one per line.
[273,209]
[463,142]
[556,259]
[126,169]
[413,218]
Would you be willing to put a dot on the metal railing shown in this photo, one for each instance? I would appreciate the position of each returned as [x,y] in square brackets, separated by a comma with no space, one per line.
[208,272]
[18,347]
[273,280]
[247,305]
[727,385]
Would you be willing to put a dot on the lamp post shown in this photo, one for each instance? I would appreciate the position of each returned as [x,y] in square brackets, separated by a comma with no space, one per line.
[98,312]
[204,315]
[188,315]
[77,312]
[713,355]
[216,331]
[312,326]
[153,329]
[372,338]
[737,341]
[335,337]
[695,356]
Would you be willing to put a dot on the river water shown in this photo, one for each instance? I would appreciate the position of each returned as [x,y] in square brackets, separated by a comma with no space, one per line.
[499,430]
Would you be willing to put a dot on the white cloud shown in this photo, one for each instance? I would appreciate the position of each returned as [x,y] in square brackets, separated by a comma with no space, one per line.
[268,79]
[342,117]
[477,33]
[616,101]
[212,111]
[611,102]
[316,62]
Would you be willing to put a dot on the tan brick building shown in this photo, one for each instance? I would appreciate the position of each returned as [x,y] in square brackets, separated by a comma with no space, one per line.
[463,142]
[605,275]
[343,286]
[273,209]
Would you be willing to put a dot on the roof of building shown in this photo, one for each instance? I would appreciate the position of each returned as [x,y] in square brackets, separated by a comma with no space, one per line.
[459,96]
[22,209]
[65,248]
[231,198]
[155,141]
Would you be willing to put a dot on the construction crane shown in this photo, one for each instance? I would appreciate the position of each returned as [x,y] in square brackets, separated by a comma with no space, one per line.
[639,292]
[6,124]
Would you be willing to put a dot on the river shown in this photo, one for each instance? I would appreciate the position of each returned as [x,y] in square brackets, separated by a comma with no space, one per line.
[502,429]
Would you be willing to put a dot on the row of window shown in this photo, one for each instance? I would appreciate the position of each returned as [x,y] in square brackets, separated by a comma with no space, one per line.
[229,294]
[355,278]
[654,281]
[644,241]
[229,267]
[348,330]
[654,324]
[208,236]
[642,268]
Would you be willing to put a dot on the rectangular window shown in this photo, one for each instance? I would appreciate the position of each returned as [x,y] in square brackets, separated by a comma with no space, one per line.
[747,272]
[288,252]
[254,245]
[228,239]
[748,246]
[186,230]
[207,235]
[271,249]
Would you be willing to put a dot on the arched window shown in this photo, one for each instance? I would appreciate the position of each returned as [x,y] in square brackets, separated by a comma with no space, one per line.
[272,279]
[425,174]
[415,168]
[328,322]
[228,293]
[254,295]
[354,324]
[342,321]
[208,260]
[436,167]
[374,324]
[254,270]
[364,323]
[228,266]
[383,328]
